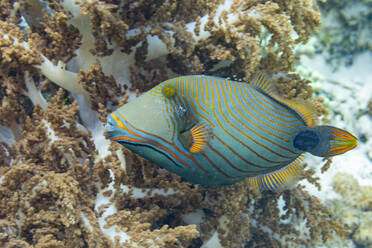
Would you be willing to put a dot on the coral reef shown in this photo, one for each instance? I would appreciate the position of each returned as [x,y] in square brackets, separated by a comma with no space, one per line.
[65,64]
[346,30]
[356,210]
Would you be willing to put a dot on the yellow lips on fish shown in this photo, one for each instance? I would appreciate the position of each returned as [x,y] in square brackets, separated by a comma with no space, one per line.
[214,131]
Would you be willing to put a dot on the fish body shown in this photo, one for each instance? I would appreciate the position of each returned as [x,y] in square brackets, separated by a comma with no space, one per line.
[214,131]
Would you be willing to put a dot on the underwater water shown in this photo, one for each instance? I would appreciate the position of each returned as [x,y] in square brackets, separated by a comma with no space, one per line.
[66,66]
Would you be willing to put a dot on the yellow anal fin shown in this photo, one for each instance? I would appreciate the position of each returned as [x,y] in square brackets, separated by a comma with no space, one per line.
[200,135]
[279,179]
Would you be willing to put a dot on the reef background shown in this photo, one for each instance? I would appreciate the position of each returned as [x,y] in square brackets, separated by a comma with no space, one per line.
[65,65]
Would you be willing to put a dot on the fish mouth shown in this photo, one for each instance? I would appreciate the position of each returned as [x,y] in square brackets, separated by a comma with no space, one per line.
[110,125]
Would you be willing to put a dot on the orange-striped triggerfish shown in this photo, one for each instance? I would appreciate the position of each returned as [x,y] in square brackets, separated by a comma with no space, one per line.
[214,131]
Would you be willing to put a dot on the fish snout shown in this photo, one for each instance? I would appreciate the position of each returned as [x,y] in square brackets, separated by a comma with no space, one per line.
[110,125]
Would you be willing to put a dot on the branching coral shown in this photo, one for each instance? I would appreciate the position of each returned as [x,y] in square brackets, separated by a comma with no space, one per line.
[63,184]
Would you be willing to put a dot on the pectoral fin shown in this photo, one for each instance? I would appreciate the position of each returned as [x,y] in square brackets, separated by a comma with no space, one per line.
[200,135]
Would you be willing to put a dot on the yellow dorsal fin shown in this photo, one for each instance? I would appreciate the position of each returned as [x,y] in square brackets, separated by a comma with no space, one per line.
[302,108]
[279,179]
[261,83]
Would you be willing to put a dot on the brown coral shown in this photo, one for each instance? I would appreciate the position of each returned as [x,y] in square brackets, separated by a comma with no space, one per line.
[15,58]
[38,191]
[238,42]
[101,88]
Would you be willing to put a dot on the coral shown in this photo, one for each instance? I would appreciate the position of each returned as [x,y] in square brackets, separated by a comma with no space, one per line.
[99,86]
[294,87]
[65,64]
[369,106]
[345,32]
[354,208]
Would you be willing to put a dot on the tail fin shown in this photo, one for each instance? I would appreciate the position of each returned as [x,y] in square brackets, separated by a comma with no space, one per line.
[324,141]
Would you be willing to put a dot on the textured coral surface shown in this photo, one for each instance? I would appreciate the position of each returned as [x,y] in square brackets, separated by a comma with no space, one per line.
[65,64]
[346,32]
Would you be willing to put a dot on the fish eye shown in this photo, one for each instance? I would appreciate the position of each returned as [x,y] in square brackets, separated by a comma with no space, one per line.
[181,110]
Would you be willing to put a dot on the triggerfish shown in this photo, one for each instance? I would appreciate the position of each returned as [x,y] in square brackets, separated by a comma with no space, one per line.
[214,131]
